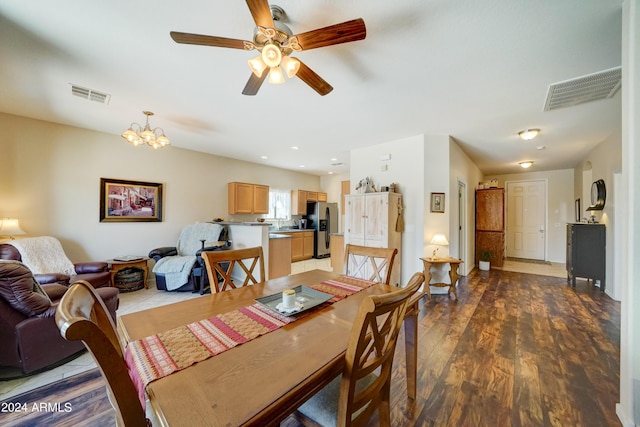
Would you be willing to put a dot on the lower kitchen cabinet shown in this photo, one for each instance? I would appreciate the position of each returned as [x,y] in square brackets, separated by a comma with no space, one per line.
[301,245]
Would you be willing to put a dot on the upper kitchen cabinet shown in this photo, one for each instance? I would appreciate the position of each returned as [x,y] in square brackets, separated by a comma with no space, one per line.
[300,198]
[245,198]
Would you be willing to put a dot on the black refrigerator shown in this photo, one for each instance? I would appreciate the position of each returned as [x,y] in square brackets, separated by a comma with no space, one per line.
[324,218]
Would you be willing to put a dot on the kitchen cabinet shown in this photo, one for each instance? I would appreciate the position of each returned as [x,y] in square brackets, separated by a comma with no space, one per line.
[337,253]
[279,257]
[302,245]
[300,198]
[586,254]
[370,220]
[490,234]
[245,198]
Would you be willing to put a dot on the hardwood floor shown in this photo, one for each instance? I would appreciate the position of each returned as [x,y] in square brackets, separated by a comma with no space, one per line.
[516,349]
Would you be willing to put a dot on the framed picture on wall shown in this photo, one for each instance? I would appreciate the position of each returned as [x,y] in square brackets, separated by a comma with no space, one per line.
[437,202]
[130,201]
[578,211]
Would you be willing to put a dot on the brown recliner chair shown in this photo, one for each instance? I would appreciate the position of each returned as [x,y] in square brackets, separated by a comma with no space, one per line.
[31,341]
[96,273]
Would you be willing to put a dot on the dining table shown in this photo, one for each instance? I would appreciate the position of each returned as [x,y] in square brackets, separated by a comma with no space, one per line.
[260,382]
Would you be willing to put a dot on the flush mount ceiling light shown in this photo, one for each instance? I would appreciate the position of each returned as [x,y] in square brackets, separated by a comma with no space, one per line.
[526,165]
[528,134]
[137,135]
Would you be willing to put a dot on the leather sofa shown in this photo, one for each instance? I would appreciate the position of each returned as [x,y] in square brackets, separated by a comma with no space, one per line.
[31,341]
[96,273]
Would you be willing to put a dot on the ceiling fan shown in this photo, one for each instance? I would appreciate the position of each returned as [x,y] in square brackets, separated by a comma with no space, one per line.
[275,42]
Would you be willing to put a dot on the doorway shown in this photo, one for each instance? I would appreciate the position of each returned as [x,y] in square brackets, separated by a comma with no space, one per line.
[526,219]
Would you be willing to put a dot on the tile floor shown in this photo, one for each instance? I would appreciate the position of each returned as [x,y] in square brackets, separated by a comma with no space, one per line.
[148,298]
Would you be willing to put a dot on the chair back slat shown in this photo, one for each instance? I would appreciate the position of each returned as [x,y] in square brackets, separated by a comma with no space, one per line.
[371,349]
[82,315]
[373,264]
[220,266]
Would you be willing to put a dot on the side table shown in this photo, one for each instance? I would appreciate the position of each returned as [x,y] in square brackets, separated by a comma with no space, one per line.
[453,273]
[116,265]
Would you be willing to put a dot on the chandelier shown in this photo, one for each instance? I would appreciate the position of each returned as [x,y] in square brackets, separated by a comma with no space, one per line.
[137,135]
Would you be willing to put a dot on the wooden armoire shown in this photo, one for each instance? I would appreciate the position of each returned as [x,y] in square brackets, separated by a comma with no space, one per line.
[490,224]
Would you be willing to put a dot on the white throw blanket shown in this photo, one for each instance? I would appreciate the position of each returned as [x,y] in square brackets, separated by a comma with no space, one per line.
[44,255]
[176,269]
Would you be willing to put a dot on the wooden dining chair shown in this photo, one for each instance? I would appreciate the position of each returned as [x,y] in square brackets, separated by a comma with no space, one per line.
[368,263]
[220,265]
[81,315]
[353,398]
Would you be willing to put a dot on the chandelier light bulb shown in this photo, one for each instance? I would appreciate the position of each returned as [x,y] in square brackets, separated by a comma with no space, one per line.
[257,65]
[290,65]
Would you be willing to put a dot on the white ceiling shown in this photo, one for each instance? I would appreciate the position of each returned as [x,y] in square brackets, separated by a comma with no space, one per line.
[476,70]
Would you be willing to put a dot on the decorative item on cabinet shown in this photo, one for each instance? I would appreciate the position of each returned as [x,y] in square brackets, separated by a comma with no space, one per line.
[366,186]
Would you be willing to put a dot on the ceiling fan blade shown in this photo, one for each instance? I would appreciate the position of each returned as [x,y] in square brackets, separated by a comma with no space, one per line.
[345,32]
[261,13]
[199,39]
[316,82]
[254,83]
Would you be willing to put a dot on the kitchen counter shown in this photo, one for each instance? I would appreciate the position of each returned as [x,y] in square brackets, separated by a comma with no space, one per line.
[291,230]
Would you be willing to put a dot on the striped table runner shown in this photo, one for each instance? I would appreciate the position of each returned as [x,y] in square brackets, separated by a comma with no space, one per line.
[159,355]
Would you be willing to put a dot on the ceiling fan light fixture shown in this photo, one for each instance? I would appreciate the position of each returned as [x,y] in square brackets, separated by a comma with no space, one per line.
[528,134]
[275,76]
[290,65]
[271,55]
[257,65]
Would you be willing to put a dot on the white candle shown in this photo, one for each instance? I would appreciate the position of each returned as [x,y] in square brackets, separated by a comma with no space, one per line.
[289,298]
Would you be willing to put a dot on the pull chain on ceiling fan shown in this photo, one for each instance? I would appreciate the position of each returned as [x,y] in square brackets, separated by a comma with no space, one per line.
[275,42]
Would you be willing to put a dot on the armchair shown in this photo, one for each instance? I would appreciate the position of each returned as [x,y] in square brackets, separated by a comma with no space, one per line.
[181,267]
[47,261]
[31,341]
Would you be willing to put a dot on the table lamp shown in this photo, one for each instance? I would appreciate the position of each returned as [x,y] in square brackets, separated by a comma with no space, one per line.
[438,239]
[10,227]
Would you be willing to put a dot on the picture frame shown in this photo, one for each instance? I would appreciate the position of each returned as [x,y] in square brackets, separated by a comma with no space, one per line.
[437,202]
[130,201]
[578,211]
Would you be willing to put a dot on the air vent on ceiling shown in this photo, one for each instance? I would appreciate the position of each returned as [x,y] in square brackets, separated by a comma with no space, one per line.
[90,94]
[592,87]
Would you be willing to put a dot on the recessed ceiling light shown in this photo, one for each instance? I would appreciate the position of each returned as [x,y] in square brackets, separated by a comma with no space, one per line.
[301,166]
[526,164]
[295,147]
[330,173]
[264,157]
[540,147]
[528,134]
[334,159]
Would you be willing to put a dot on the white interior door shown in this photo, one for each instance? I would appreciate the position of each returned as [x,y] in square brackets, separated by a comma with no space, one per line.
[526,219]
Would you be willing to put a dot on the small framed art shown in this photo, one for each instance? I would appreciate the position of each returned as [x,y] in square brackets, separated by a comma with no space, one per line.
[437,202]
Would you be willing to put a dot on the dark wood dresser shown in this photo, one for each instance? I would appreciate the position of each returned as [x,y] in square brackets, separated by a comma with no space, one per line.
[586,252]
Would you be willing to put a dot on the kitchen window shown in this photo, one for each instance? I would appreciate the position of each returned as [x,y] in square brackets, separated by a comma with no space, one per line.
[279,204]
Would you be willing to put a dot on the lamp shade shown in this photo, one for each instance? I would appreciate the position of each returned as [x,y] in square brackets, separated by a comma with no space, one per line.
[10,227]
[439,239]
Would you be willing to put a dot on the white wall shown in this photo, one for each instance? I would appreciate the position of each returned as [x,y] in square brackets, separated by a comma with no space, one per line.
[463,170]
[406,168]
[560,206]
[605,161]
[50,180]
[629,408]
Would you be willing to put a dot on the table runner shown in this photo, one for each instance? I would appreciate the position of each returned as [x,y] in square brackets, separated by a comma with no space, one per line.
[161,354]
